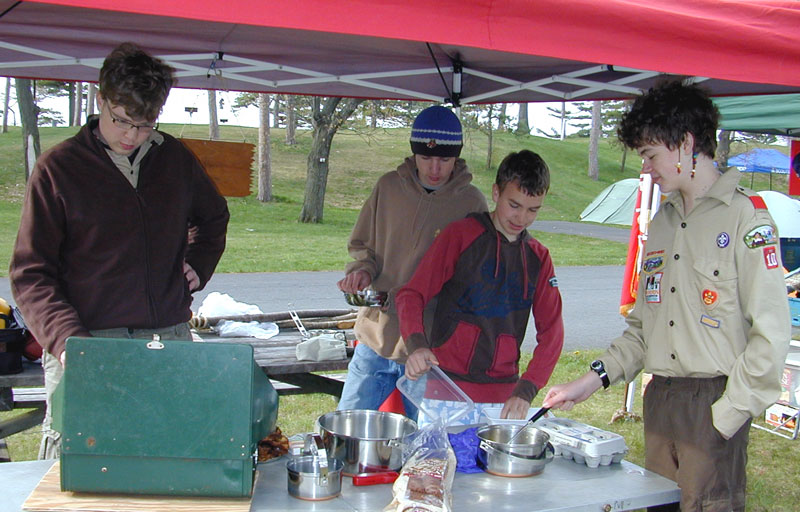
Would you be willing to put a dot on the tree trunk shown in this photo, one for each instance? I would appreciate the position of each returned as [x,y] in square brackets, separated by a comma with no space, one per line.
[264,158]
[326,121]
[624,157]
[91,100]
[489,138]
[5,105]
[213,122]
[522,123]
[276,111]
[723,150]
[291,120]
[594,139]
[71,108]
[502,119]
[376,110]
[29,113]
[76,121]
[563,119]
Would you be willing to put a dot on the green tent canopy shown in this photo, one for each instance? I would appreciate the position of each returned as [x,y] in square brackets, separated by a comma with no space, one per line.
[778,114]
[614,205]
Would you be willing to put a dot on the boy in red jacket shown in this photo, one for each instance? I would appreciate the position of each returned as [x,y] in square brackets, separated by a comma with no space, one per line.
[487,273]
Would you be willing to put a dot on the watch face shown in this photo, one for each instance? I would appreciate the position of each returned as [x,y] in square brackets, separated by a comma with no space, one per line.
[597,365]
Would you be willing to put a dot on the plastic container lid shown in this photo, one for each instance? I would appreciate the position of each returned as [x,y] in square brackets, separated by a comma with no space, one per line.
[437,386]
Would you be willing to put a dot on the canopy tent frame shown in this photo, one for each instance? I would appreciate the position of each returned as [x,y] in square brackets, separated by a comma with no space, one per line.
[184,69]
[490,52]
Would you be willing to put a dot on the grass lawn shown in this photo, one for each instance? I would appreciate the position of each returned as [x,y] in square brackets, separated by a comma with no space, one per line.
[267,237]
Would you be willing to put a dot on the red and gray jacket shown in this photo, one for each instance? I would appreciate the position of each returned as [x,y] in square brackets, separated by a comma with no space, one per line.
[485,287]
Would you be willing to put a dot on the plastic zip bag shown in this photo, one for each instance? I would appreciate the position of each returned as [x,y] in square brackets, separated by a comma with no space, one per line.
[425,483]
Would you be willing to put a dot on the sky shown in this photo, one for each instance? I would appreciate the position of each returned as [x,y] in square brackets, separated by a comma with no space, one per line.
[179,99]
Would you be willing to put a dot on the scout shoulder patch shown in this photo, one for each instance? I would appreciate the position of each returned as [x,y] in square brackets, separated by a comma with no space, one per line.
[771,257]
[553,282]
[653,261]
[760,236]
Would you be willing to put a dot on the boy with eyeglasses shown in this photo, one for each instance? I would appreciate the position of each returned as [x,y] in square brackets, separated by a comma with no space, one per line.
[120,224]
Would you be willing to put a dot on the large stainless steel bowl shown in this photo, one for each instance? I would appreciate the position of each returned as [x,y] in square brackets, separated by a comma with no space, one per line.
[365,441]
[526,455]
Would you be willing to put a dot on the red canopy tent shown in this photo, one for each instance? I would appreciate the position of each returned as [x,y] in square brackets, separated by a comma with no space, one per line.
[485,50]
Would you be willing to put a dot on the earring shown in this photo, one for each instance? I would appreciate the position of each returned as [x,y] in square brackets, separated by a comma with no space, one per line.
[694,165]
[678,166]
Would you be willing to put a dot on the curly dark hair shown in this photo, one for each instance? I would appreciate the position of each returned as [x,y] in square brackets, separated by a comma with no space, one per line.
[666,113]
[528,169]
[134,80]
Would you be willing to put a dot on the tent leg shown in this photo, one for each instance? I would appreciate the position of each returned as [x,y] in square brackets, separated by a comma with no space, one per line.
[626,412]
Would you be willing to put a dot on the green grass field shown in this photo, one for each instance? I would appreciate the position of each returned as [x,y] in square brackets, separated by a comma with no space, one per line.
[268,238]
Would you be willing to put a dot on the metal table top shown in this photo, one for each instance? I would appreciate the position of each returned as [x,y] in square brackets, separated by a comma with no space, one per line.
[563,486]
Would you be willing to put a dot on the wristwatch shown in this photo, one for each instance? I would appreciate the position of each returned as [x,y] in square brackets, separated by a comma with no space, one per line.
[599,368]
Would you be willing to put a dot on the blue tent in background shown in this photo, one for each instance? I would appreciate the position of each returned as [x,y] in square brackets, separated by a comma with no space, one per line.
[761,160]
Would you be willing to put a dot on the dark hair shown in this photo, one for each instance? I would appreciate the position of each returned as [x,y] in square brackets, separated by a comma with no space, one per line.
[666,113]
[528,169]
[134,80]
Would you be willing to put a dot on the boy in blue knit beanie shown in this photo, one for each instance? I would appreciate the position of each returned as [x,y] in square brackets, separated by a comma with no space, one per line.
[406,210]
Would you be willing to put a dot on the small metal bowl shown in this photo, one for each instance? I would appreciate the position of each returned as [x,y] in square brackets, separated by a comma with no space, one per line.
[366,298]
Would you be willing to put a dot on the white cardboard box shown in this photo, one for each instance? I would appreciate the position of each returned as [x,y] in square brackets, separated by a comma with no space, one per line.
[782,416]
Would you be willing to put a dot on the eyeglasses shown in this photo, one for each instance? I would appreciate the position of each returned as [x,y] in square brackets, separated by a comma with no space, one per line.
[127,126]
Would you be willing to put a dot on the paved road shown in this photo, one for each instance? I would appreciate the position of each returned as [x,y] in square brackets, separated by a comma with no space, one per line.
[590,294]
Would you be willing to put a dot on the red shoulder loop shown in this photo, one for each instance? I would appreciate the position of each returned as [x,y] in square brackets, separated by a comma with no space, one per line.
[758,202]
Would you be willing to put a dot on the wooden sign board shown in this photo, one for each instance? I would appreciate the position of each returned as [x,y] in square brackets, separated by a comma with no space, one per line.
[229,164]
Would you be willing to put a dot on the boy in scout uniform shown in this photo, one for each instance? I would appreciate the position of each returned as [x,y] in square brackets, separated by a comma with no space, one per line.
[711,320]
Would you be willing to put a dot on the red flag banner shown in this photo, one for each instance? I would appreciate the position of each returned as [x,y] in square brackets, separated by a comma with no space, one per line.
[794,172]
[647,200]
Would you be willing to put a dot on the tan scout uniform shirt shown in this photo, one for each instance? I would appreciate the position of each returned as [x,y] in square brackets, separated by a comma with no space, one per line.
[711,301]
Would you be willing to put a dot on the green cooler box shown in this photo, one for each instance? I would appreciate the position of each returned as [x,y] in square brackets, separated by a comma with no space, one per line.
[161,417]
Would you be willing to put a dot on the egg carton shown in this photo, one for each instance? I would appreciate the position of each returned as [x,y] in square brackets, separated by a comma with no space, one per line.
[584,443]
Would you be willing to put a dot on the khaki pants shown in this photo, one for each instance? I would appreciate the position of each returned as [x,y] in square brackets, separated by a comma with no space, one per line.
[682,444]
[50,448]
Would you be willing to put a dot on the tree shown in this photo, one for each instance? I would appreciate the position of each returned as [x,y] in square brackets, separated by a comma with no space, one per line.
[76,119]
[326,120]
[594,138]
[523,127]
[91,100]
[264,155]
[5,105]
[723,149]
[291,120]
[502,118]
[213,121]
[29,112]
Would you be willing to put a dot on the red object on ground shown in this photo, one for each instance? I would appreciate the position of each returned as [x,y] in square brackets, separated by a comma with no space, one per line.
[394,403]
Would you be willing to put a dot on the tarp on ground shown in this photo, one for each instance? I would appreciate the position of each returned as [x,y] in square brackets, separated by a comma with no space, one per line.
[785,212]
[614,205]
[475,51]
[774,114]
[764,160]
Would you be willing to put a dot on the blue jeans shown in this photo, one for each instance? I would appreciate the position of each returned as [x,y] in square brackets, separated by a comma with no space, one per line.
[370,380]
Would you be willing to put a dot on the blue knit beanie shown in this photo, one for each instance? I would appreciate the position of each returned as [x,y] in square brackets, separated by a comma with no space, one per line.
[436,132]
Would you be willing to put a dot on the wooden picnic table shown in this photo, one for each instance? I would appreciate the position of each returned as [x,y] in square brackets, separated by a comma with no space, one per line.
[275,356]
